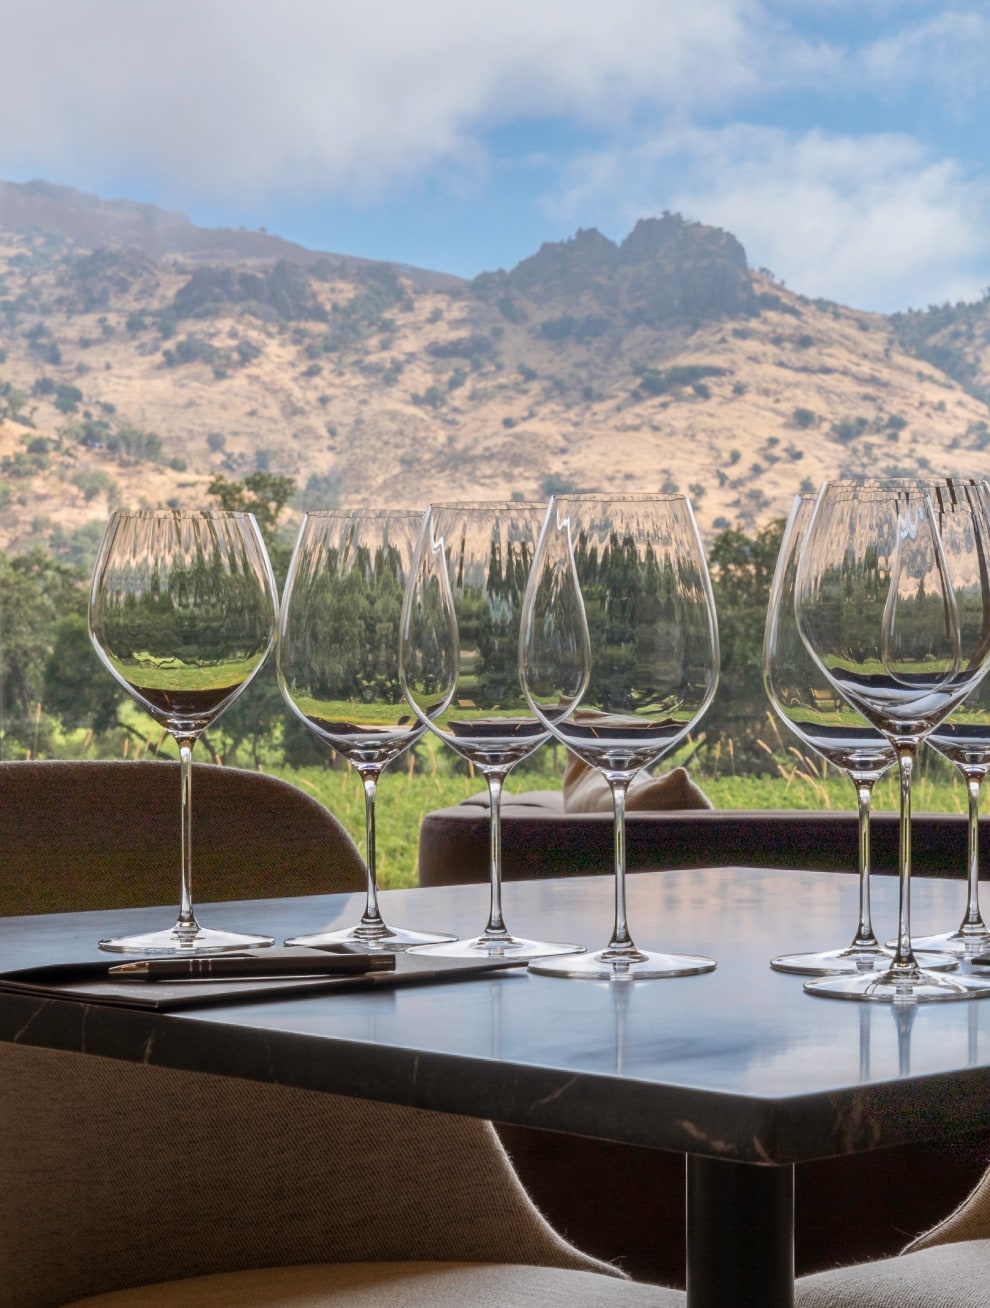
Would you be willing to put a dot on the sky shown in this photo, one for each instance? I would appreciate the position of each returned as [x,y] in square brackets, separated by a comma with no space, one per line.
[844,142]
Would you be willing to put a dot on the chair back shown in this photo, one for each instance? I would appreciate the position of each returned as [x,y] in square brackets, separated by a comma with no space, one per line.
[103,835]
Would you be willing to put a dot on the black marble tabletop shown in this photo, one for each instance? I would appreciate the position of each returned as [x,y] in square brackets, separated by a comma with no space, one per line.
[738,1064]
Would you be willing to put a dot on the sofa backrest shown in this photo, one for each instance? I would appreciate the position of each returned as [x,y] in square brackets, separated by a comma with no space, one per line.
[540,840]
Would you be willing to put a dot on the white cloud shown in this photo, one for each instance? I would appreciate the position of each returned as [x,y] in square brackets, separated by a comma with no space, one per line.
[875,221]
[233,95]
[948,51]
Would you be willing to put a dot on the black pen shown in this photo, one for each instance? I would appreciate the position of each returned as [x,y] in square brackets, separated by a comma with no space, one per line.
[265,963]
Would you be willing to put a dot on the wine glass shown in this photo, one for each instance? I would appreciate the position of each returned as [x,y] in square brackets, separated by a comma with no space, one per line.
[338,668]
[465,599]
[893,602]
[964,739]
[619,658]
[182,614]
[805,702]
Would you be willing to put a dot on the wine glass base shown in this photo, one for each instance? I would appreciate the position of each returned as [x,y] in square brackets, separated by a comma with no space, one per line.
[856,960]
[500,947]
[609,965]
[203,941]
[960,944]
[380,939]
[918,986]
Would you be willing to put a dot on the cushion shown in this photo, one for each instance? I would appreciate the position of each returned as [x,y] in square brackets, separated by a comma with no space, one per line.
[587,791]
[395,1285]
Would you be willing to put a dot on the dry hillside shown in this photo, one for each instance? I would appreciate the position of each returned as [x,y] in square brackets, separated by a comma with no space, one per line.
[664,362]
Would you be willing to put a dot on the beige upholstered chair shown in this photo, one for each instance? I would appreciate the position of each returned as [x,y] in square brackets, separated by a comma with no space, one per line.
[117,1176]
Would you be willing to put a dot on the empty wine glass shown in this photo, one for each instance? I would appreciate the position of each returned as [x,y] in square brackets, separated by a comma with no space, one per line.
[465,601]
[182,613]
[619,658]
[964,739]
[338,668]
[805,702]
[893,602]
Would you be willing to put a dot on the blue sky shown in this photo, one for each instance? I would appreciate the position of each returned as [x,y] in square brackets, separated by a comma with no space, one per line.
[844,142]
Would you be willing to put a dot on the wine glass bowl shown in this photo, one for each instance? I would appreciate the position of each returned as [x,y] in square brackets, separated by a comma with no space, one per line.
[182,614]
[338,669]
[619,658]
[460,649]
[893,603]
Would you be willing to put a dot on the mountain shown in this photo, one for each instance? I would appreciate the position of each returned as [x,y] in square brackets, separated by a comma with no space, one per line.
[92,223]
[141,356]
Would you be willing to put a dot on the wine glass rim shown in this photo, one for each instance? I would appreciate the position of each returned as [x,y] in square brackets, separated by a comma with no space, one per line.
[346,515]
[625,497]
[447,505]
[173,515]
[920,485]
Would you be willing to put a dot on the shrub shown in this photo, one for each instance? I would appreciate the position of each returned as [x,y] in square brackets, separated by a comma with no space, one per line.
[433,397]
[247,351]
[93,482]
[67,398]
[656,381]
[554,484]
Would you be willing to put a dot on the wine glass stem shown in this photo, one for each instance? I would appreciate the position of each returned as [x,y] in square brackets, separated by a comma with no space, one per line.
[972,918]
[865,935]
[372,914]
[904,955]
[496,925]
[187,924]
[621,939]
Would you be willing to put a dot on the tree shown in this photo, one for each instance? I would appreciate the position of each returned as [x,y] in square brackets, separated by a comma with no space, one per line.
[78,688]
[38,594]
[263,493]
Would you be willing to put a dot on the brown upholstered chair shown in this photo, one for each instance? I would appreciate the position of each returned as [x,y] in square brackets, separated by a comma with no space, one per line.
[92,835]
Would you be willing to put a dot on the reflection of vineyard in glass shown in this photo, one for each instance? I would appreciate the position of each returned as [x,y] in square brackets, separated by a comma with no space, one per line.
[460,654]
[338,666]
[182,613]
[901,614]
[824,723]
[651,640]
[351,602]
[619,658]
[182,628]
[892,597]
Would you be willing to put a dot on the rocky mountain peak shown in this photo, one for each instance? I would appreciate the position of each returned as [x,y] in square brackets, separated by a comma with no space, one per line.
[666,272]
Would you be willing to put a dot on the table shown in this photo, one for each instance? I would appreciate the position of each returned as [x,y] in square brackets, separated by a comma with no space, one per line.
[737,1068]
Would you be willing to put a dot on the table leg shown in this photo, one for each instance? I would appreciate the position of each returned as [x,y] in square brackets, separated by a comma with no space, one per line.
[740,1233]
